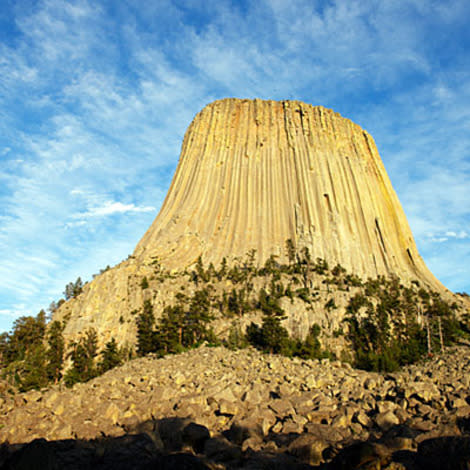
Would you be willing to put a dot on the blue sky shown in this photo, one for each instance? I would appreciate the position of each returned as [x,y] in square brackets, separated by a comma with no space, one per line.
[95,97]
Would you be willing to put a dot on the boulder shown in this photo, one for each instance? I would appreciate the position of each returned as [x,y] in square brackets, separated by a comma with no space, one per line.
[308,448]
[386,420]
[195,435]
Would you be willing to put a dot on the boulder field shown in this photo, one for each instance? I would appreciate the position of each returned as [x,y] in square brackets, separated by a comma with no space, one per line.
[213,408]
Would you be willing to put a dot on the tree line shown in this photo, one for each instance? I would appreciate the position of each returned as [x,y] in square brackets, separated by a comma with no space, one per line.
[386,325]
[33,354]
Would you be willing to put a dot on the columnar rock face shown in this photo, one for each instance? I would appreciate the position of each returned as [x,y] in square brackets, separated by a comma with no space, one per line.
[255,173]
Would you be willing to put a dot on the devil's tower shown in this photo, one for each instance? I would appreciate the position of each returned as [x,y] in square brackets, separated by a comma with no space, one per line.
[255,173]
[251,175]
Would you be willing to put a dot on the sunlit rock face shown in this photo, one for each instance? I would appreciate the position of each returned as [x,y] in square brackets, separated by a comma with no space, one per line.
[255,173]
[251,175]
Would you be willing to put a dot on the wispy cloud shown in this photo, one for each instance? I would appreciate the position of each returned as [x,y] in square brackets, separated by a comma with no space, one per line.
[110,208]
[444,237]
[462,235]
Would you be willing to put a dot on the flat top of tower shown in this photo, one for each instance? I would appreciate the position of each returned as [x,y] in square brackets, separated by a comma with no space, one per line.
[281,105]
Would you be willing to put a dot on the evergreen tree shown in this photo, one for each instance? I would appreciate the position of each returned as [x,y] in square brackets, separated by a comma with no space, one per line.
[55,351]
[197,318]
[68,292]
[321,266]
[271,337]
[110,356]
[27,333]
[53,307]
[80,364]
[223,269]
[211,272]
[310,348]
[199,274]
[274,337]
[169,335]
[236,275]
[249,264]
[236,339]
[91,343]
[4,349]
[268,303]
[235,303]
[32,373]
[144,284]
[83,355]
[22,352]
[73,289]
[271,266]
[291,252]
[145,330]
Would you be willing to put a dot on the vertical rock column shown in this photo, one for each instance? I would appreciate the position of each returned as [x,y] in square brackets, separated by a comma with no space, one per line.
[255,173]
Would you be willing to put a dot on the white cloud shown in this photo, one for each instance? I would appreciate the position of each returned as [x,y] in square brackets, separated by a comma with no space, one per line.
[110,208]
[75,192]
[61,30]
[459,235]
[439,239]
[448,236]
[79,223]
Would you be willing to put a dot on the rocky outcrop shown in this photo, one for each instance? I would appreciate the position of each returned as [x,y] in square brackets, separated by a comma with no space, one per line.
[255,173]
[242,409]
[251,175]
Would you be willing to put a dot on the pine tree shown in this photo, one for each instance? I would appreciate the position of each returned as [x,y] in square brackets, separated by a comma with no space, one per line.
[223,269]
[83,355]
[80,364]
[271,337]
[197,318]
[274,337]
[144,284]
[233,303]
[55,352]
[110,356]
[27,332]
[169,336]
[145,330]
[199,274]
[32,372]
[73,289]
[291,252]
[4,348]
[236,339]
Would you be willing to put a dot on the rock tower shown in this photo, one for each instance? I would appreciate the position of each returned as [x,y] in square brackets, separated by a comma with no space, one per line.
[252,174]
[255,173]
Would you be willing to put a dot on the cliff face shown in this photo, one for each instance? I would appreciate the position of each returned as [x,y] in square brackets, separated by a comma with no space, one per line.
[251,175]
